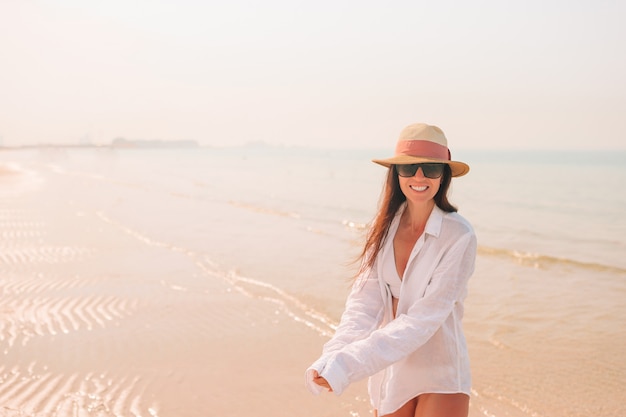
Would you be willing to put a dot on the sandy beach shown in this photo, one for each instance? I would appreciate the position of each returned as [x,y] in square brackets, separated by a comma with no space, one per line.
[99,319]
[118,299]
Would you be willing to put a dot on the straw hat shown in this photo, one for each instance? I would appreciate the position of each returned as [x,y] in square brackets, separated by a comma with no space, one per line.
[420,142]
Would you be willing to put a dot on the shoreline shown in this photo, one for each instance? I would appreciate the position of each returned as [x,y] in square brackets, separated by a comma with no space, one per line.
[96,317]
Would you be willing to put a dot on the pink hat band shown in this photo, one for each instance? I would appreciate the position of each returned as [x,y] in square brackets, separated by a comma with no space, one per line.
[422,143]
[423,148]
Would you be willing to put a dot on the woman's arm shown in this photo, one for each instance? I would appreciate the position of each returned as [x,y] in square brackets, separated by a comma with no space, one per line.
[409,331]
[363,314]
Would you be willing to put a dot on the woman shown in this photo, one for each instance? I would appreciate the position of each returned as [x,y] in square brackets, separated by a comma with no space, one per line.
[402,322]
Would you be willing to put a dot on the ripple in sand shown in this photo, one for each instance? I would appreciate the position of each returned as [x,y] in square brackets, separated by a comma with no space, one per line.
[20,244]
[42,254]
[18,228]
[30,313]
[25,392]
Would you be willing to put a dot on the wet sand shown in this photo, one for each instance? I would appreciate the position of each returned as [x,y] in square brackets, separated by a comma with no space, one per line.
[98,319]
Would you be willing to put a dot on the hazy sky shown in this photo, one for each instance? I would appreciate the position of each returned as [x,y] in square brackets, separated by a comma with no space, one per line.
[526,74]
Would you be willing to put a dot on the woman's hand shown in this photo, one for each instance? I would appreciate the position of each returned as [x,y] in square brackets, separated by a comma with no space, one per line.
[321,381]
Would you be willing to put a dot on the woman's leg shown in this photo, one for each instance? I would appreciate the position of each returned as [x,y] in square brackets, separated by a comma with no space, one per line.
[436,405]
[407,410]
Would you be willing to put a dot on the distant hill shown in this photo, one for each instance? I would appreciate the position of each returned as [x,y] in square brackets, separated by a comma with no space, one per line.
[153,143]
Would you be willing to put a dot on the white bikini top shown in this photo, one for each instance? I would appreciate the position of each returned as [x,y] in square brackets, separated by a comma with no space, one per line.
[390,273]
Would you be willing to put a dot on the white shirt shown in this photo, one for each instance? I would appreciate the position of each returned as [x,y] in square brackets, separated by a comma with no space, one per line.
[423,349]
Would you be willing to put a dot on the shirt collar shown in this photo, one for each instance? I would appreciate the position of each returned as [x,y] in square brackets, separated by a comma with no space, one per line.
[433,224]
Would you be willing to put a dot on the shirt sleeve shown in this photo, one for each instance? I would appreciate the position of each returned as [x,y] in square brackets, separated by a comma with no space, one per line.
[363,313]
[407,332]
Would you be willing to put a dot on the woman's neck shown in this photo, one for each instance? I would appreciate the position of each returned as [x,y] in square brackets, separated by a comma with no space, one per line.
[415,215]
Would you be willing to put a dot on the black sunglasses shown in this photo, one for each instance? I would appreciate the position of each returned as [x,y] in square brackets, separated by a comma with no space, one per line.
[430,170]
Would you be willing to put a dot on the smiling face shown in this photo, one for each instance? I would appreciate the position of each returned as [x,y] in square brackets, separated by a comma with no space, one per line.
[418,188]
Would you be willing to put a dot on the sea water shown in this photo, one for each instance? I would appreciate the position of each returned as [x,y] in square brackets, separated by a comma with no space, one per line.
[565,206]
[559,206]
[545,311]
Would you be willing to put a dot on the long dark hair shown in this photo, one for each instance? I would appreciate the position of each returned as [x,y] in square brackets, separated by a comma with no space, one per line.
[391,199]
